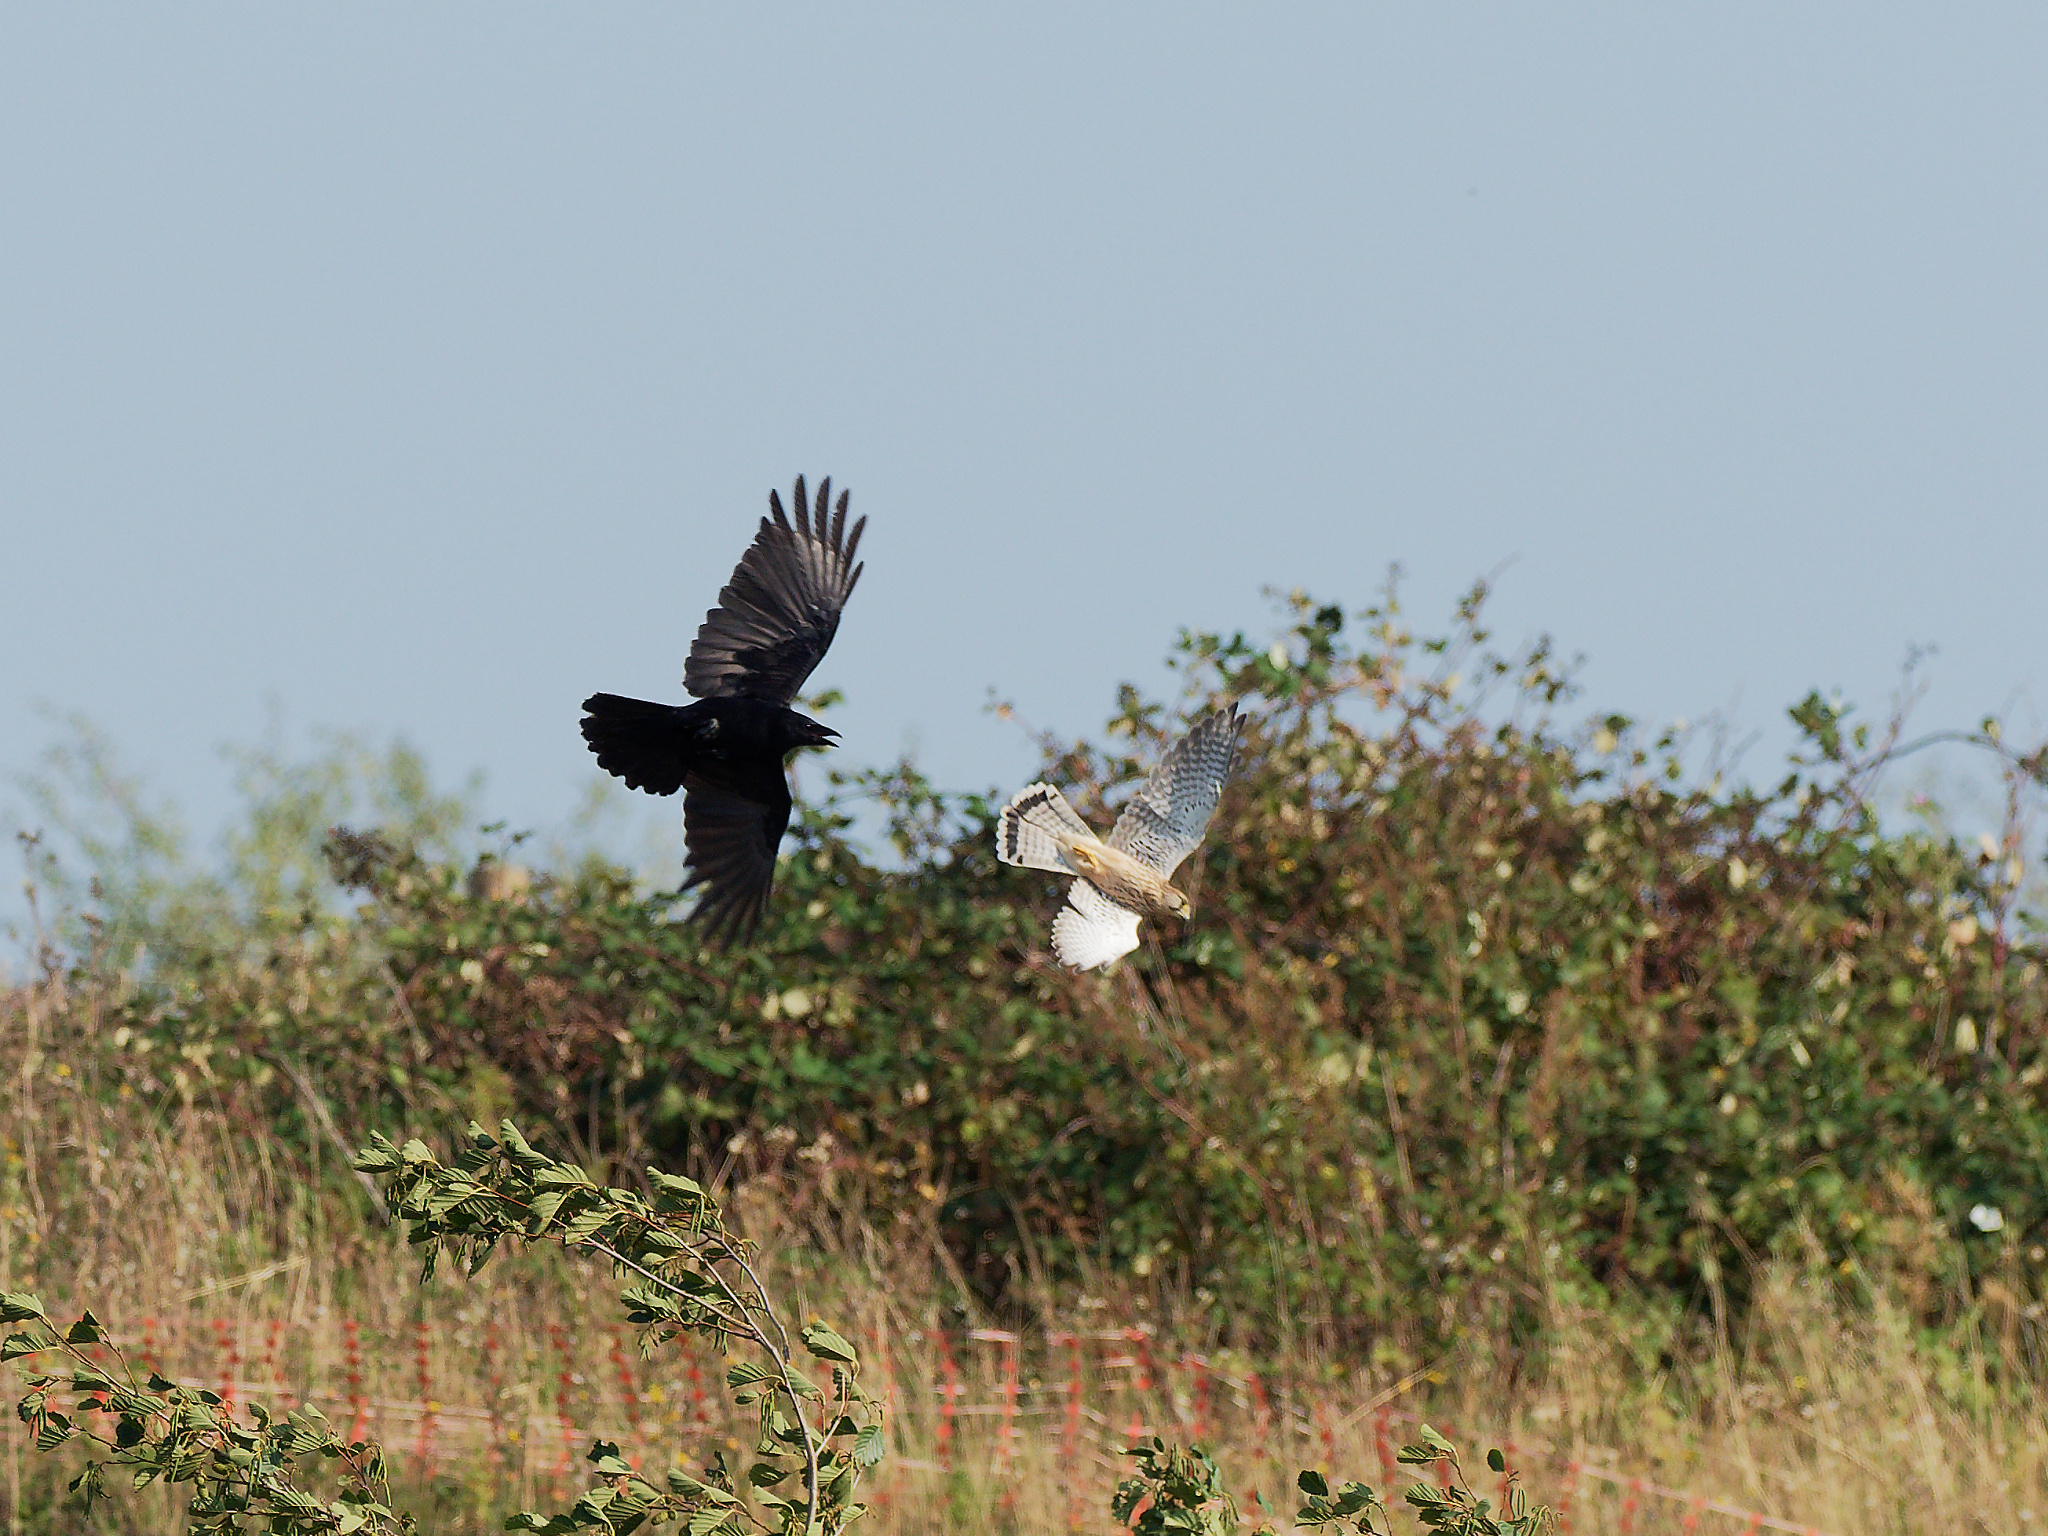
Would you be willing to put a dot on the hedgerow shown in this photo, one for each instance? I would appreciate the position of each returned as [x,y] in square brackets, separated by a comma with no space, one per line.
[1478,1008]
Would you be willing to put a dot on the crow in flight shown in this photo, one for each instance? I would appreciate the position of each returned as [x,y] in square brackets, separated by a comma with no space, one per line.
[726,752]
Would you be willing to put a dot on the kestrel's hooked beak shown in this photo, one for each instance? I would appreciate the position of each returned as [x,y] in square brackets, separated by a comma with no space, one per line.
[1183,906]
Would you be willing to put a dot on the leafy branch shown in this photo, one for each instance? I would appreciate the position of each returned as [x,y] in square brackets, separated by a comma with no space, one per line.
[187,1435]
[689,1274]
[1178,1490]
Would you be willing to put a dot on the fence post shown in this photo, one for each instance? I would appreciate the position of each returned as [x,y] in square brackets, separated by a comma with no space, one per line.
[230,1358]
[1198,1371]
[1136,1338]
[423,1376]
[949,1398]
[494,1389]
[565,1384]
[1628,1506]
[626,1389]
[271,1366]
[359,1404]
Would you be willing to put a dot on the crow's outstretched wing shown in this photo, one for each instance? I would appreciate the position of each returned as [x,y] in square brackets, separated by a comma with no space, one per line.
[730,840]
[780,610]
[1165,820]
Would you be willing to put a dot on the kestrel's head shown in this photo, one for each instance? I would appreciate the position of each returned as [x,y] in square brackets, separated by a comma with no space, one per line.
[1178,904]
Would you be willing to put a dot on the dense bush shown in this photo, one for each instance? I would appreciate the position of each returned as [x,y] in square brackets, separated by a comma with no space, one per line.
[1474,1009]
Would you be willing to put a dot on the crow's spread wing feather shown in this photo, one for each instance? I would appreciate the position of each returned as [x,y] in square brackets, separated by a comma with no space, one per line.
[1165,820]
[730,840]
[780,610]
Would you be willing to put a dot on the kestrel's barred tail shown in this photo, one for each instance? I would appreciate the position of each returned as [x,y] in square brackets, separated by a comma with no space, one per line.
[1037,827]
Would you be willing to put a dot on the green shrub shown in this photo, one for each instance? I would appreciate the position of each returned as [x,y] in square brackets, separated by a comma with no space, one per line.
[1476,1010]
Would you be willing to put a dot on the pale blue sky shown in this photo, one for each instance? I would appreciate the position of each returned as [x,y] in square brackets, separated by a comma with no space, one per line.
[425,368]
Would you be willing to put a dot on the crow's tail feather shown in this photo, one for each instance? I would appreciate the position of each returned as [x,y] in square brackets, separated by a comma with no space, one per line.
[637,741]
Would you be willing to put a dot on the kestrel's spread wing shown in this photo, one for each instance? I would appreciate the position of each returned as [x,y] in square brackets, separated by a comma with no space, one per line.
[1124,878]
[1165,820]
[780,610]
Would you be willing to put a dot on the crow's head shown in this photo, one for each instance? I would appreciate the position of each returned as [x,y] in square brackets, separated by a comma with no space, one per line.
[803,731]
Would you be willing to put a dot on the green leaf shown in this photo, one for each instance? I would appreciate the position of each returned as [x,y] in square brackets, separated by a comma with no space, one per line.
[1496,1461]
[650,1304]
[802,1385]
[20,1307]
[583,1226]
[15,1345]
[517,1148]
[545,1204]
[745,1373]
[869,1446]
[1313,1483]
[827,1345]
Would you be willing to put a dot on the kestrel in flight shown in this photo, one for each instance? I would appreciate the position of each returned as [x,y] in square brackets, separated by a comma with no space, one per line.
[726,753]
[1125,878]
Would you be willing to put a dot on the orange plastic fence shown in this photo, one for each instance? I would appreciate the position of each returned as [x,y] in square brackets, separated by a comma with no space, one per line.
[662,1405]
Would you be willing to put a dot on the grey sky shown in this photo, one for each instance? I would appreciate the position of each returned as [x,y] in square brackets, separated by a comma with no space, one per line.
[426,368]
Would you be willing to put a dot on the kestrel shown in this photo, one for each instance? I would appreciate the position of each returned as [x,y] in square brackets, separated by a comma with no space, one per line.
[727,753]
[1125,878]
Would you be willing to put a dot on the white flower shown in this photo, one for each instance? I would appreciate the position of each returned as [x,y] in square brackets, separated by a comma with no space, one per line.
[1987,1218]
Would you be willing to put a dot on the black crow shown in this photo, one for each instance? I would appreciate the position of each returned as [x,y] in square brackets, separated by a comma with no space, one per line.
[727,752]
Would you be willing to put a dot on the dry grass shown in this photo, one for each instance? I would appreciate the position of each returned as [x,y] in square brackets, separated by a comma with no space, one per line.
[207,1252]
